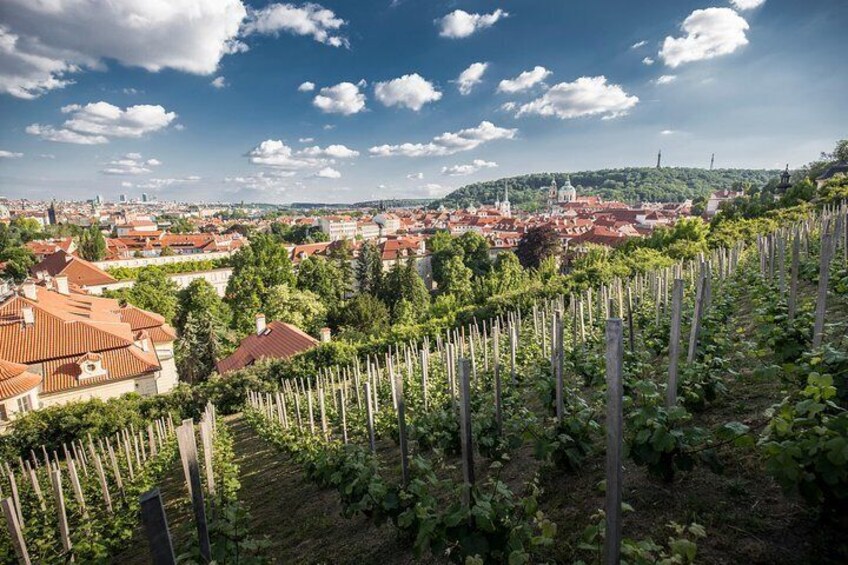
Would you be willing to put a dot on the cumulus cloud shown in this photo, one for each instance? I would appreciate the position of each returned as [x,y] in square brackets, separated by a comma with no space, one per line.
[647,61]
[459,23]
[447,143]
[471,77]
[469,169]
[263,181]
[130,164]
[524,81]
[586,96]
[10,154]
[306,87]
[639,44]
[310,19]
[435,190]
[42,43]
[219,82]
[97,122]
[328,173]
[747,4]
[344,98]
[709,33]
[331,151]
[409,91]
[666,79]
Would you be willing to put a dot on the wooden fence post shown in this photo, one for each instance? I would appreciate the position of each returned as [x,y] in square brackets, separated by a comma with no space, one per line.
[465,430]
[206,440]
[188,445]
[615,391]
[369,413]
[156,527]
[15,532]
[793,276]
[404,448]
[821,297]
[674,343]
[59,496]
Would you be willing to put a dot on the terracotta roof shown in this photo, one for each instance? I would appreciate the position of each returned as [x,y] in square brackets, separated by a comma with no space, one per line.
[278,341]
[79,271]
[139,319]
[16,380]
[62,374]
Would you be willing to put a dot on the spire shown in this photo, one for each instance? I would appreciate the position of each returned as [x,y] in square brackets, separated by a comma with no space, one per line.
[506,192]
[712,161]
[659,158]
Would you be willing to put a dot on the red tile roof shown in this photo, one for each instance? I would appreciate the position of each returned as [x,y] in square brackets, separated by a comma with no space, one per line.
[16,380]
[278,341]
[79,271]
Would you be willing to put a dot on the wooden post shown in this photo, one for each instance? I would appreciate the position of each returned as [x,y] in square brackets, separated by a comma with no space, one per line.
[513,339]
[311,416]
[75,483]
[631,330]
[793,276]
[59,497]
[465,430]
[696,316]
[188,445]
[115,469]
[674,343]
[188,423]
[615,392]
[369,413]
[156,527]
[559,351]
[404,448]
[15,532]
[324,428]
[343,411]
[821,297]
[206,440]
[104,486]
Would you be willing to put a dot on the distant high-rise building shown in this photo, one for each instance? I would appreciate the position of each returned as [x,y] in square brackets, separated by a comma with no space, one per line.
[123,198]
[51,213]
[659,159]
[712,161]
[98,200]
[144,197]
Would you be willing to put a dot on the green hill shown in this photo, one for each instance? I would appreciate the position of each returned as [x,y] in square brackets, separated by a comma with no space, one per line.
[632,184]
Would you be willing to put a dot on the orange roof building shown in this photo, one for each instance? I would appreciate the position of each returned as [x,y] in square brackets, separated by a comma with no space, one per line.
[80,347]
[79,271]
[277,340]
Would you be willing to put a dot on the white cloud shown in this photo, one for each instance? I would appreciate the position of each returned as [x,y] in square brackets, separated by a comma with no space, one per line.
[415,176]
[275,153]
[331,151]
[709,33]
[41,43]
[10,154]
[219,82]
[524,81]
[666,79]
[306,87]
[309,19]
[409,91]
[667,132]
[639,44]
[328,173]
[343,98]
[647,61]
[447,143]
[747,4]
[509,106]
[126,184]
[471,77]
[459,23]
[97,122]
[435,190]
[156,184]
[263,181]
[469,169]
[130,164]
[306,140]
[586,96]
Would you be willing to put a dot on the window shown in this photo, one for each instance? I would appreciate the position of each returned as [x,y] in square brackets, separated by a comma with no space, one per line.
[3,416]
[24,404]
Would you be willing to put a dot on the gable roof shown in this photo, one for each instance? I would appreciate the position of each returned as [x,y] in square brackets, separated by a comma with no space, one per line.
[79,271]
[16,380]
[278,341]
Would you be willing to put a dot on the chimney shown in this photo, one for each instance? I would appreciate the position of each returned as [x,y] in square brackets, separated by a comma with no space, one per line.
[29,316]
[260,323]
[29,290]
[62,285]
[325,335]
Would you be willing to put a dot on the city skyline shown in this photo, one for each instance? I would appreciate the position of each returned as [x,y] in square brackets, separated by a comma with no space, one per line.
[271,102]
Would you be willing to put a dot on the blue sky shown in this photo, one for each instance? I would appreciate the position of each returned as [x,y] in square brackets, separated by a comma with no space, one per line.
[205,99]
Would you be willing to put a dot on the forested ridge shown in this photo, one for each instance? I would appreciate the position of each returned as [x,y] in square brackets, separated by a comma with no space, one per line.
[630,184]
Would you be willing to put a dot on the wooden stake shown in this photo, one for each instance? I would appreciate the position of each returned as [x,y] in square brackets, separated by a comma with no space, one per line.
[156,526]
[465,430]
[59,497]
[674,343]
[15,532]
[615,392]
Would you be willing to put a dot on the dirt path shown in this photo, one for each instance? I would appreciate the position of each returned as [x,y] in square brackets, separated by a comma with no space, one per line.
[303,522]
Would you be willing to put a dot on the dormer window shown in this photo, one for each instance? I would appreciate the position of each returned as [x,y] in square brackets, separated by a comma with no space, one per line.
[90,366]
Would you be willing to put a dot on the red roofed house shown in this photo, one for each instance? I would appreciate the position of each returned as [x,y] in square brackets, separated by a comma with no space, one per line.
[79,271]
[79,347]
[277,340]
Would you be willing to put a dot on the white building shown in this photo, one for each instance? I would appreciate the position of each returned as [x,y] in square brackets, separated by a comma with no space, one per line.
[338,227]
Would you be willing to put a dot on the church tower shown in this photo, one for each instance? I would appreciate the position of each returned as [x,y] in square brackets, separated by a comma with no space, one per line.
[552,194]
[505,207]
[567,193]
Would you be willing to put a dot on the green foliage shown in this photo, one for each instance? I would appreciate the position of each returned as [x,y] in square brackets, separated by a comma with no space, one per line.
[322,277]
[363,315]
[298,234]
[18,259]
[806,444]
[369,269]
[301,308]
[200,297]
[92,244]
[126,273]
[154,291]
[405,294]
[456,279]
[197,349]
[646,184]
